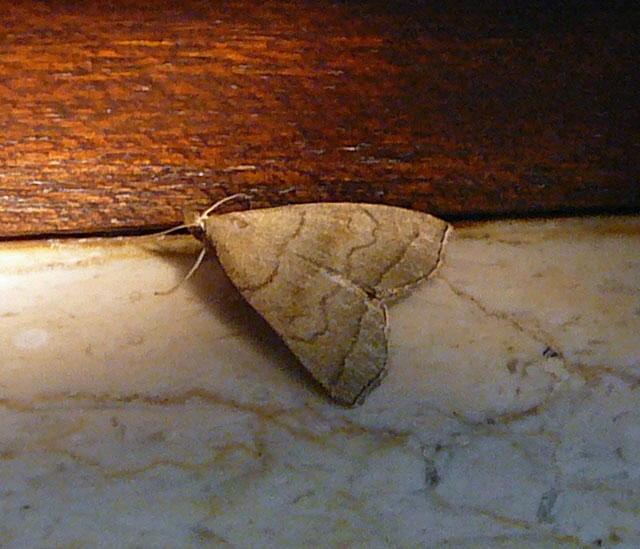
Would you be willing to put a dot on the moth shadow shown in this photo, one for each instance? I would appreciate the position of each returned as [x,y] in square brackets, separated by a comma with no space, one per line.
[211,286]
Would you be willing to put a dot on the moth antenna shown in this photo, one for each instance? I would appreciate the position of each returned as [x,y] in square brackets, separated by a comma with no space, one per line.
[219,203]
[199,222]
[172,229]
[189,274]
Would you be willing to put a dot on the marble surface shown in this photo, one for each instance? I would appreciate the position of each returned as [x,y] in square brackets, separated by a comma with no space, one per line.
[510,416]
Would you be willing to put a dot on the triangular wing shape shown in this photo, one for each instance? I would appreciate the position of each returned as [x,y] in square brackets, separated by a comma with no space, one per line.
[318,274]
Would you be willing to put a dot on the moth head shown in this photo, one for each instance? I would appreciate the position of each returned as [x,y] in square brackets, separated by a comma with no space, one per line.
[196,223]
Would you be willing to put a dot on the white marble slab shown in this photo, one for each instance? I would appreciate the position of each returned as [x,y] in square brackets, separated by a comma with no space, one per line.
[510,416]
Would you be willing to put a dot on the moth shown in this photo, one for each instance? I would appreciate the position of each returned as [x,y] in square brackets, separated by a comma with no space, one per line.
[322,274]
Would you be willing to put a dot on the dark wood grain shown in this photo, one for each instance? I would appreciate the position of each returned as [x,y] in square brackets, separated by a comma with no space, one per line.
[114,115]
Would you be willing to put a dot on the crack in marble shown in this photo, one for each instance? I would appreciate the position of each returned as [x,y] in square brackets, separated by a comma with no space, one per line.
[538,334]
[233,451]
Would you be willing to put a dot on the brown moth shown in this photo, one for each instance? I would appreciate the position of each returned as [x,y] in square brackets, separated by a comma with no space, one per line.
[321,275]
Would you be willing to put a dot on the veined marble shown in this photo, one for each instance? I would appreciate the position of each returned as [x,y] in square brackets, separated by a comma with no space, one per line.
[510,415]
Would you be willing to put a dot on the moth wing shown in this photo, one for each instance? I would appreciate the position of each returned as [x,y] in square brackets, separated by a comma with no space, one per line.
[337,333]
[332,326]
[408,247]
[318,274]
